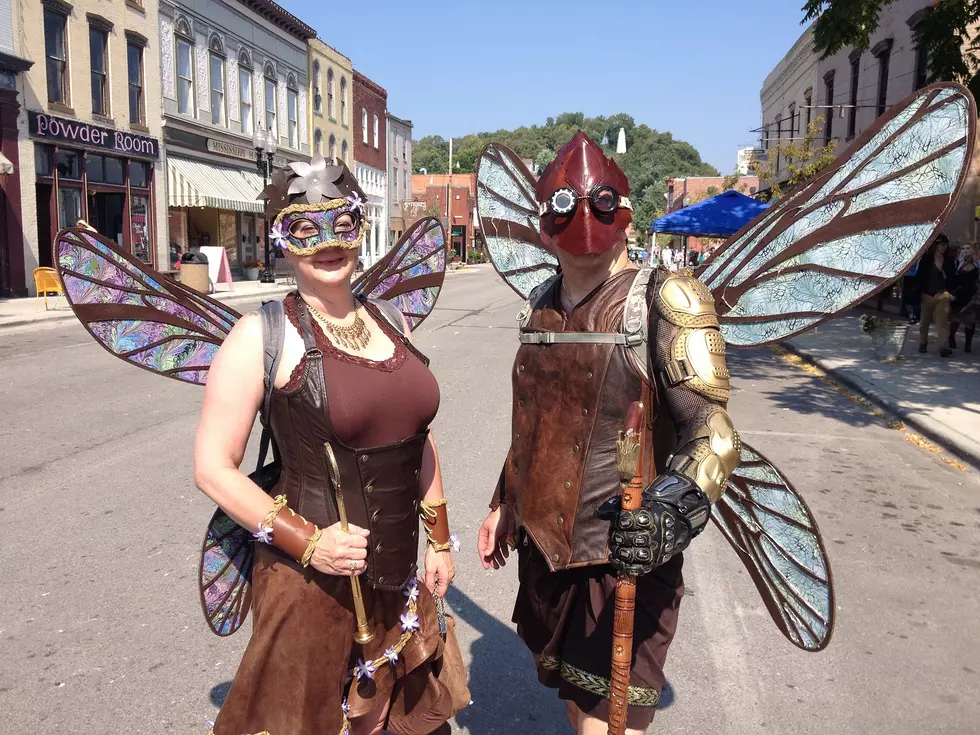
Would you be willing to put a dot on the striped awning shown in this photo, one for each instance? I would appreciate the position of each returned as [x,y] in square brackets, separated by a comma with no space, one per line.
[199,184]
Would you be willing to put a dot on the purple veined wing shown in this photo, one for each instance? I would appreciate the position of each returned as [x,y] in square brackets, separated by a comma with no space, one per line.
[774,533]
[855,229]
[227,556]
[412,273]
[137,314]
[508,213]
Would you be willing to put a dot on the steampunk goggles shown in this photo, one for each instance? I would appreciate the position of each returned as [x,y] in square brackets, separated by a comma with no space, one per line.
[602,199]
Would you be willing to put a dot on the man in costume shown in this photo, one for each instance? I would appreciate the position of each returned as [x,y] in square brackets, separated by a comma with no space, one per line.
[575,376]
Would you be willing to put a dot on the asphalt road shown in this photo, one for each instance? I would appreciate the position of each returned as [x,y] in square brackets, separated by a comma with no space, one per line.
[100,530]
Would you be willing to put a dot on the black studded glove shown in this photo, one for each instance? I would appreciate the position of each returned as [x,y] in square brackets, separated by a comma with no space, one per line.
[674,510]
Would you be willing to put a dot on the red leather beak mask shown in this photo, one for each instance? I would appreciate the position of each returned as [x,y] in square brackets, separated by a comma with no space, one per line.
[582,198]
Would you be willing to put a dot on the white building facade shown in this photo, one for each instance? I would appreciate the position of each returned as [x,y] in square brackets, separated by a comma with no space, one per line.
[399,173]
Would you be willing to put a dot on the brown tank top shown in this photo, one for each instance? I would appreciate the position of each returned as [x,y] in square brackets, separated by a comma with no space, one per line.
[372,403]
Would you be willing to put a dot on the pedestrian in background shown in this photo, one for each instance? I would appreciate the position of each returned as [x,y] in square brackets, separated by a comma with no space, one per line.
[935,278]
[963,309]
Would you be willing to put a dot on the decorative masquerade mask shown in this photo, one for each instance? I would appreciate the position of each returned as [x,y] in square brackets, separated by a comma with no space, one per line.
[316,206]
[581,171]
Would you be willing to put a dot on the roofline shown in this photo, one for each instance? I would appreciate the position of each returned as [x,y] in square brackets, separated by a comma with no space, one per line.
[280,17]
[378,89]
[400,120]
[336,51]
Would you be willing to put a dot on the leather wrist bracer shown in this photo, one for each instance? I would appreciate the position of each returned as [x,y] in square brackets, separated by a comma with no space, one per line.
[289,531]
[435,520]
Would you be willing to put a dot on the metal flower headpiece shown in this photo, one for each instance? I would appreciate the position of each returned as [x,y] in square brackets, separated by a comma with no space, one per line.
[311,182]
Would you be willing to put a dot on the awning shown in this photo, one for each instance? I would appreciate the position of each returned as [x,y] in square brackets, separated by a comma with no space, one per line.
[720,216]
[199,184]
[6,167]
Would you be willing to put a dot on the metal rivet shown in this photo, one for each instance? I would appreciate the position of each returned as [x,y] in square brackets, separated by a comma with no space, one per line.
[520,369]
[576,448]
[364,459]
[560,520]
[585,412]
[369,489]
[588,376]
[521,404]
[378,548]
[518,436]
[554,557]
[525,540]
[567,485]
[381,580]
[375,516]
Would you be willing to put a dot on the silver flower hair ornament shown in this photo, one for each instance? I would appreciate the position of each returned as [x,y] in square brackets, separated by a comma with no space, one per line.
[315,181]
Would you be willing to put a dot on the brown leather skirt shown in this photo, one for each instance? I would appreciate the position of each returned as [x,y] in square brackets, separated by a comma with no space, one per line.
[294,675]
[566,620]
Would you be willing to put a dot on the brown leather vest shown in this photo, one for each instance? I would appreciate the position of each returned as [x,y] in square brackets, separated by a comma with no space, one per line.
[380,485]
[570,402]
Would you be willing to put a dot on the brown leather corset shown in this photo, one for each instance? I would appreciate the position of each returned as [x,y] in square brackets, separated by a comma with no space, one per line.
[570,402]
[380,485]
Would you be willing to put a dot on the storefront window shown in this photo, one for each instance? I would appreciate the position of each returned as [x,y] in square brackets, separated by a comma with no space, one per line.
[114,171]
[95,168]
[69,165]
[42,159]
[140,228]
[137,175]
[69,206]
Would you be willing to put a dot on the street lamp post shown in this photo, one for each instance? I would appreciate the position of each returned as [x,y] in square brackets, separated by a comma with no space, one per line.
[265,150]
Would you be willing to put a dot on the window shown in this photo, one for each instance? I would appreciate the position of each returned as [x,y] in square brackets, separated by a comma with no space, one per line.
[245,91]
[396,142]
[318,140]
[394,178]
[808,102]
[779,139]
[271,90]
[316,87]
[375,131]
[343,100]
[828,82]
[404,150]
[98,41]
[792,122]
[921,66]
[134,59]
[330,108]
[185,76]
[852,113]
[883,52]
[765,139]
[217,55]
[56,56]
[364,121]
[343,151]
[332,147]
[292,111]
[137,174]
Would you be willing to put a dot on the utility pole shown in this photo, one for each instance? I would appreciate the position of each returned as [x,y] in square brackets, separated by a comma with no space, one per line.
[449,196]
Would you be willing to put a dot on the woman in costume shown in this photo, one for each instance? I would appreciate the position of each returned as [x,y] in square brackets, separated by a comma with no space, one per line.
[349,384]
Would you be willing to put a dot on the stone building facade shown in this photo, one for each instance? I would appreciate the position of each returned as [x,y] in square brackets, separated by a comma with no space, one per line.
[371,162]
[89,129]
[330,92]
[399,173]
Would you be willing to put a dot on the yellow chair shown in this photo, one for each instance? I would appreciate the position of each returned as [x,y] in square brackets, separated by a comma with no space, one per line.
[46,281]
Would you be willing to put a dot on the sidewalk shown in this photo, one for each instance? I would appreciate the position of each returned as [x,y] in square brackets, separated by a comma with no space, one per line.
[937,397]
[17,312]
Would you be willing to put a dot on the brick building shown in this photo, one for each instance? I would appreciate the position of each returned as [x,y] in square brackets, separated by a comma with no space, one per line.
[432,189]
[371,162]
[682,192]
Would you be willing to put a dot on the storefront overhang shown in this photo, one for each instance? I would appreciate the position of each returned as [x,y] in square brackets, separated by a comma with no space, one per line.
[199,184]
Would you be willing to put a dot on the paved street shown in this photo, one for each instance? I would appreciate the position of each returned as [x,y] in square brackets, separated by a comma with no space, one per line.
[101,629]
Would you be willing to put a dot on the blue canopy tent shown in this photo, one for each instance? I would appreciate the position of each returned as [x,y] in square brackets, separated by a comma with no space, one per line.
[720,216]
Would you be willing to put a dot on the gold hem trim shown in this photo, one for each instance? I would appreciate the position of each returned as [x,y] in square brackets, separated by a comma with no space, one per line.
[595,684]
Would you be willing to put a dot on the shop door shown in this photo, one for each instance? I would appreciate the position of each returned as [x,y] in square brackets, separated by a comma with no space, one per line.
[45,242]
[106,212]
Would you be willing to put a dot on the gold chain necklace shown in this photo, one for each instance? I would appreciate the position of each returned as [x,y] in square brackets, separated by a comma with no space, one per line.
[355,336]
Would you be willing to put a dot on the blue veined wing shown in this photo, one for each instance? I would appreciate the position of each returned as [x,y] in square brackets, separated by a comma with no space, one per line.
[140,316]
[225,573]
[412,273]
[774,533]
[508,212]
[854,229]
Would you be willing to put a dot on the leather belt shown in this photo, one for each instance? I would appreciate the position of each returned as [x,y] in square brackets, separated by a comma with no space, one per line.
[574,338]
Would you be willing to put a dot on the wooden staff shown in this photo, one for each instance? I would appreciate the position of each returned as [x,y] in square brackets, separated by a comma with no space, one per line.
[629,466]
[364,634]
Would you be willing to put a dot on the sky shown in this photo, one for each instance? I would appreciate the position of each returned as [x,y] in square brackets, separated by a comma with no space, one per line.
[692,68]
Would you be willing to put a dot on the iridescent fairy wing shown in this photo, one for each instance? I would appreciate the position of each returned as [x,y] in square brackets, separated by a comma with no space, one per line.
[772,529]
[225,574]
[854,229]
[137,314]
[508,213]
[412,273]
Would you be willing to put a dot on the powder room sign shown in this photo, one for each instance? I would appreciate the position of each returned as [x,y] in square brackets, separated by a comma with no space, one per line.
[85,135]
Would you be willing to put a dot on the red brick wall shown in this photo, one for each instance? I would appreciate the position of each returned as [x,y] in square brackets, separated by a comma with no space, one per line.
[368,95]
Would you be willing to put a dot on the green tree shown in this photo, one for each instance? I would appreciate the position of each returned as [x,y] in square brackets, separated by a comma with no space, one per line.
[432,154]
[947,32]
[800,160]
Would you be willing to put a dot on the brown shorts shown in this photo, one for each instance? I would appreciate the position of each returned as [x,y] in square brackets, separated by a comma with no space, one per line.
[565,618]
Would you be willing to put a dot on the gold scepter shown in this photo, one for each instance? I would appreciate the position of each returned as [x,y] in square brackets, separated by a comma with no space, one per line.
[364,634]
[629,466]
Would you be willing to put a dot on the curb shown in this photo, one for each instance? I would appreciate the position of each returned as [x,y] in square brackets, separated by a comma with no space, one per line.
[959,445]
[224,297]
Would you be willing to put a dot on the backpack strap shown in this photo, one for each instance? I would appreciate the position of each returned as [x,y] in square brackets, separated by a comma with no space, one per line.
[636,322]
[534,301]
[273,337]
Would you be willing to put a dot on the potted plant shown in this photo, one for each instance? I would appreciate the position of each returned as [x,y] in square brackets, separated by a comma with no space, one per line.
[887,336]
[252,269]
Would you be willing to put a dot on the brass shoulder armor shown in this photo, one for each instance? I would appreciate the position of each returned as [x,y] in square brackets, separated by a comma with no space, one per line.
[697,350]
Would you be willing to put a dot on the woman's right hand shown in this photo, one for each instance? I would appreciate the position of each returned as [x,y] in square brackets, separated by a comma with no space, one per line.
[341,554]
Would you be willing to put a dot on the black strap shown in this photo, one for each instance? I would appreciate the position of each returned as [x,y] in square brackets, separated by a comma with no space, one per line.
[305,326]
[273,339]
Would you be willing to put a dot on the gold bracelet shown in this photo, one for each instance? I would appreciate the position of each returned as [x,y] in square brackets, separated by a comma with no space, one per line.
[277,505]
[311,546]
[428,510]
[440,547]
